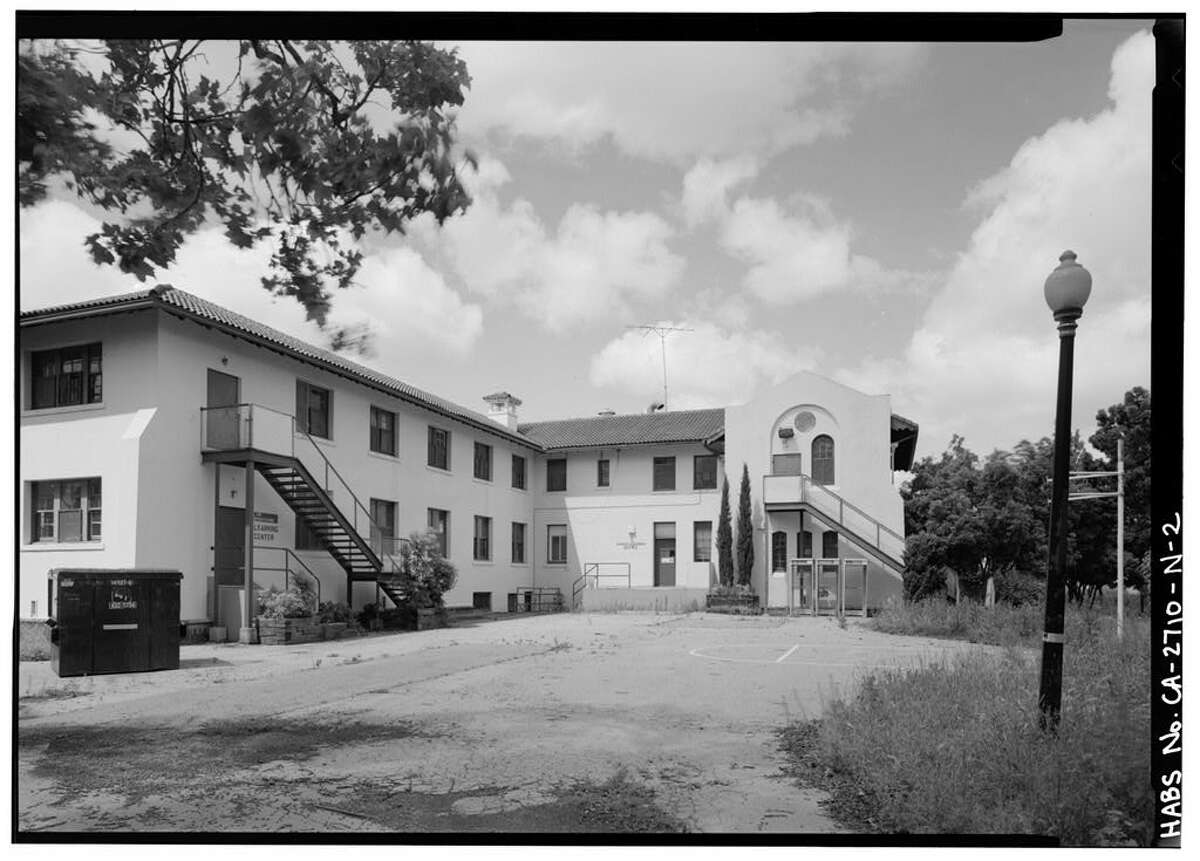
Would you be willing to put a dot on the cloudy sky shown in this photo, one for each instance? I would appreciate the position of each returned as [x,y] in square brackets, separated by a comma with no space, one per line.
[882,214]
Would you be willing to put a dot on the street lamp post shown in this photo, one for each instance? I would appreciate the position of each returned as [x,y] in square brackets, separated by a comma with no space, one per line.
[1067,289]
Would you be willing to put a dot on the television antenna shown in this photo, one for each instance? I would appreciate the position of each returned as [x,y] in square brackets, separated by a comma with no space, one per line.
[662,332]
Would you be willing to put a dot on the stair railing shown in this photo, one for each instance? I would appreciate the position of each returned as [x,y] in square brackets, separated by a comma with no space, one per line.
[292,566]
[835,507]
[593,573]
[577,589]
[359,514]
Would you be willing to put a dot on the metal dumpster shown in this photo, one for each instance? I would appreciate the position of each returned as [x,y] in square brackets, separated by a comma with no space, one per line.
[108,620]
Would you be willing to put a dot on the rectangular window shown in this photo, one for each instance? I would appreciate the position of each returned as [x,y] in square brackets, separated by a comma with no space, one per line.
[66,511]
[439,523]
[664,473]
[704,472]
[439,448]
[383,431]
[703,541]
[66,377]
[314,410]
[556,543]
[383,525]
[602,472]
[786,464]
[518,542]
[556,474]
[483,461]
[483,538]
[518,472]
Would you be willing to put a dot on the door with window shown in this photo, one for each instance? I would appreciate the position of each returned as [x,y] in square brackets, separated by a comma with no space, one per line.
[223,426]
[664,554]
[229,567]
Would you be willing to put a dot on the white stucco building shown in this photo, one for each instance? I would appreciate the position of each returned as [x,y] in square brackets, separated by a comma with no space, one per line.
[143,415]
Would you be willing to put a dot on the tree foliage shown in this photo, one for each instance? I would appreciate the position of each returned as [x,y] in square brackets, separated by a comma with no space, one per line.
[725,538]
[985,518]
[280,149]
[745,531]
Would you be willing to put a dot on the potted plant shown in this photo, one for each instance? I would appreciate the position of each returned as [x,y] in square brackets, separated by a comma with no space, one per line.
[288,616]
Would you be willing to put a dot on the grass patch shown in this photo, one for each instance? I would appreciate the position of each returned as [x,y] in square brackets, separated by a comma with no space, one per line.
[1001,625]
[956,749]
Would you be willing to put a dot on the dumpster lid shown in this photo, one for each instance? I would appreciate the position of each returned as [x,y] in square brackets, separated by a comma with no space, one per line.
[113,573]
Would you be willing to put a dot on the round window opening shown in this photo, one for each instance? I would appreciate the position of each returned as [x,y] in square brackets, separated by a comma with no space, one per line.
[805,421]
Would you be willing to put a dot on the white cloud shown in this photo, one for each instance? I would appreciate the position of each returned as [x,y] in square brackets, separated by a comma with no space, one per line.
[708,183]
[984,358]
[408,307]
[674,101]
[595,264]
[706,367]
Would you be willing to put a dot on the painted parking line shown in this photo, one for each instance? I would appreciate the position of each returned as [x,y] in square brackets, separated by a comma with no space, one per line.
[783,657]
[771,653]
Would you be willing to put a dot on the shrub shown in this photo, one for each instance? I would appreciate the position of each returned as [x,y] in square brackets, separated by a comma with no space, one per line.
[424,576]
[367,615]
[295,602]
[331,611]
[1018,588]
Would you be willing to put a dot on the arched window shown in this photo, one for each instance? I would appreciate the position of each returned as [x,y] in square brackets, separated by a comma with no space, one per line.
[822,459]
[829,545]
[778,551]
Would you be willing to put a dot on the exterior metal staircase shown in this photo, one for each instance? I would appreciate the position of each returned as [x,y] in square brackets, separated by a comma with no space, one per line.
[230,435]
[867,533]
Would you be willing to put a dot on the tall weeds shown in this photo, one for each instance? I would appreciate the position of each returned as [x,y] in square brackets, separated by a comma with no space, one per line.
[956,748]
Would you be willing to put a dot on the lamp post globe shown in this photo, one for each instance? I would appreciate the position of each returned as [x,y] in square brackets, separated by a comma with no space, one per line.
[1068,287]
[1067,290]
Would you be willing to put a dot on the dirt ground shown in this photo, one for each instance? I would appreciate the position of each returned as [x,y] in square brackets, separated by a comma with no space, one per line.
[563,723]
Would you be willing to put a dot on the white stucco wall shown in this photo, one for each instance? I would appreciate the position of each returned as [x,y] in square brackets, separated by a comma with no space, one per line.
[598,519]
[860,426]
[105,441]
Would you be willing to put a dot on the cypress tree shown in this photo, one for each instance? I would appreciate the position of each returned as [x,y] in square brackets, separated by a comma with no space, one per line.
[745,532]
[725,538]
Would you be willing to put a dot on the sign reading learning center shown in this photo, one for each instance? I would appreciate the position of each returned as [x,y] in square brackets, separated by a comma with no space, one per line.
[266,527]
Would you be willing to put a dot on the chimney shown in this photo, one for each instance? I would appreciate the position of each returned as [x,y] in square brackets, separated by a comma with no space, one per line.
[502,408]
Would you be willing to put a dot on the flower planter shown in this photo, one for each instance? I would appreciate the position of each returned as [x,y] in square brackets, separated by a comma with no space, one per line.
[273,631]
[747,605]
[431,617]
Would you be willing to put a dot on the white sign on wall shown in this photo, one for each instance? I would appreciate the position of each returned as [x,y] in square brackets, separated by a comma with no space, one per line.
[266,527]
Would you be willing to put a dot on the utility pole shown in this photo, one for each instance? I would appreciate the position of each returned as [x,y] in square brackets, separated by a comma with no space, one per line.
[662,332]
[1119,472]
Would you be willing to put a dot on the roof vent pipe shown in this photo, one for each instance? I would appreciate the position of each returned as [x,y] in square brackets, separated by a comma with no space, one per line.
[607,413]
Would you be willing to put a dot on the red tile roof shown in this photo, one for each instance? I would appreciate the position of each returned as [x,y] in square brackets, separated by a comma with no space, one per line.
[180,303]
[636,429]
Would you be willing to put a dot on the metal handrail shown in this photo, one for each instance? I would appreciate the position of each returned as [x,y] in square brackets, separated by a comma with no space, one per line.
[807,483]
[289,556]
[358,506]
[591,570]
[249,441]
